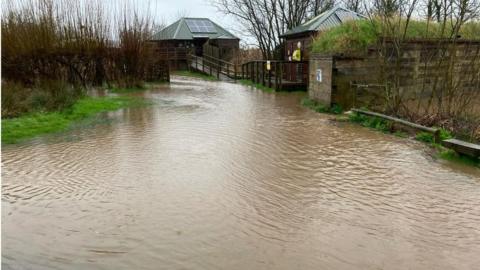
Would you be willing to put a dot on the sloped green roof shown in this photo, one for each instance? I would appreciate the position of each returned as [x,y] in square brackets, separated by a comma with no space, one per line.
[328,19]
[180,30]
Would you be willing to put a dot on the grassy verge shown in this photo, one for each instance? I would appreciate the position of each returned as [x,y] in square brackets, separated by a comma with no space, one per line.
[31,125]
[195,74]
[257,85]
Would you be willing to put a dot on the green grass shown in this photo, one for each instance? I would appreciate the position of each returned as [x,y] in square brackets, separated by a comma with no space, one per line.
[400,134]
[377,123]
[355,37]
[195,74]
[320,108]
[350,37]
[257,85]
[428,138]
[425,137]
[28,126]
[450,155]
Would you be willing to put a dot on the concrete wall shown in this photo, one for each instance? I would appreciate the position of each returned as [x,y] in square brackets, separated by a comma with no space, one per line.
[320,79]
[421,70]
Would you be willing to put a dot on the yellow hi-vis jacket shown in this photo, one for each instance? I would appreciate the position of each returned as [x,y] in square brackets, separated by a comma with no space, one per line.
[297,55]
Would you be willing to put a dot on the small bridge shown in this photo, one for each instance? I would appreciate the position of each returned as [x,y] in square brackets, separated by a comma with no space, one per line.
[279,75]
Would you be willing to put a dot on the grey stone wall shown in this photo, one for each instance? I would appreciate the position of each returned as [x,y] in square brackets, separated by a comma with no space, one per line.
[421,70]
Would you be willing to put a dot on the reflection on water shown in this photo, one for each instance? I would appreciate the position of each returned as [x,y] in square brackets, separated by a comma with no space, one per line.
[218,176]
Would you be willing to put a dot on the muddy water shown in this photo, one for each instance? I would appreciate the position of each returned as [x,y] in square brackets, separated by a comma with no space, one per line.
[217,176]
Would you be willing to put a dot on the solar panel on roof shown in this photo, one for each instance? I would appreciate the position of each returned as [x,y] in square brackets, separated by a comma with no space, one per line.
[200,26]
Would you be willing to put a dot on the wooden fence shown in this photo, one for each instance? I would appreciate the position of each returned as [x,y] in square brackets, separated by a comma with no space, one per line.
[281,75]
[214,66]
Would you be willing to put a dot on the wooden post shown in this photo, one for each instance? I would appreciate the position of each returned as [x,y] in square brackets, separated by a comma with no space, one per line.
[270,76]
[251,71]
[254,73]
[257,79]
[210,69]
[276,75]
[218,71]
[281,74]
[234,72]
[263,73]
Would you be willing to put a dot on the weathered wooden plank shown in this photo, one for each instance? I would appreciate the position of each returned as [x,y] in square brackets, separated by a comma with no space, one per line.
[463,147]
[434,131]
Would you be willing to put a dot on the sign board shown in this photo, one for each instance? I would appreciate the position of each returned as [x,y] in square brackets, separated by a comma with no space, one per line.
[319,75]
[268,65]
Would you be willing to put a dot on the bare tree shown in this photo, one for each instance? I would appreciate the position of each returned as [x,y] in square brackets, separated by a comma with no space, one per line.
[354,5]
[266,20]
[319,6]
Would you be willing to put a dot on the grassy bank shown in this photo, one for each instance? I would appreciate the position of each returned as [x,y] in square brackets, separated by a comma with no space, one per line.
[31,125]
[257,85]
[356,36]
[195,74]
[388,127]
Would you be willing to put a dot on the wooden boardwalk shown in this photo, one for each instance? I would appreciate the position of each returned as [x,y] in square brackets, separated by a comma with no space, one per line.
[281,75]
[222,72]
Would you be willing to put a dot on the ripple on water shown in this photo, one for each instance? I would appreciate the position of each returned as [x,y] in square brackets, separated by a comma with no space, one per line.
[219,176]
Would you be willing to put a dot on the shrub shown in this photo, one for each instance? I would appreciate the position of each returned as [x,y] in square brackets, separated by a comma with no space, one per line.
[46,95]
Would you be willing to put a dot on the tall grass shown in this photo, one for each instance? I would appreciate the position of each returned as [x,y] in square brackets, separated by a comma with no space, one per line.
[52,51]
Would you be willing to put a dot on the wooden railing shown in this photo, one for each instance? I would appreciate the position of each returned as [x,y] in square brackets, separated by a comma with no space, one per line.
[281,75]
[214,66]
[172,53]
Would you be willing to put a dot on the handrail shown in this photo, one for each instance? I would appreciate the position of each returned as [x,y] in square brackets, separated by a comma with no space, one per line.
[274,61]
[215,63]
[218,59]
[281,74]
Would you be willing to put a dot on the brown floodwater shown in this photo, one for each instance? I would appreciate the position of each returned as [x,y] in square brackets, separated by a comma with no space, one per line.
[215,175]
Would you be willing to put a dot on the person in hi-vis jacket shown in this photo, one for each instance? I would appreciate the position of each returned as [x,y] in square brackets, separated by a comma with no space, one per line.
[297,56]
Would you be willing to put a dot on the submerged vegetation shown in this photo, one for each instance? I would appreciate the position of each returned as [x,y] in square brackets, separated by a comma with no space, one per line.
[257,85]
[37,123]
[315,106]
[195,74]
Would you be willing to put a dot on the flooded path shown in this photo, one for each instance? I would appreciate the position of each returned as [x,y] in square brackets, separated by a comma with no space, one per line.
[218,176]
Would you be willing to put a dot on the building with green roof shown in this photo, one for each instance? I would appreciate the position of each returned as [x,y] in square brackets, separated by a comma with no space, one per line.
[197,35]
[306,32]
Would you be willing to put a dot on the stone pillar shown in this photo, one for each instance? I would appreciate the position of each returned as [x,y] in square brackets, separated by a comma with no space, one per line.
[320,80]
